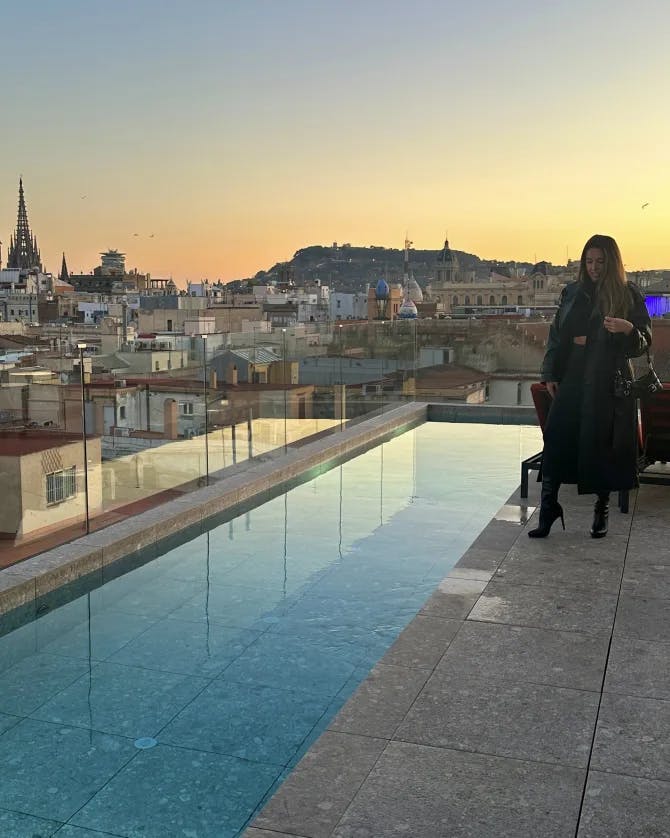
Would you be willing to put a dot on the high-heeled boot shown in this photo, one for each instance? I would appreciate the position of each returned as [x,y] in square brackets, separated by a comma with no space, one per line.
[601,515]
[550,509]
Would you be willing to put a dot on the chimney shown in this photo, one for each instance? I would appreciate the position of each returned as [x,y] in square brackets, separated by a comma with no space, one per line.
[231,375]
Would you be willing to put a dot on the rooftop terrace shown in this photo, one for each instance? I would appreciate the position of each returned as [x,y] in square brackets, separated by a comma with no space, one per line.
[530,696]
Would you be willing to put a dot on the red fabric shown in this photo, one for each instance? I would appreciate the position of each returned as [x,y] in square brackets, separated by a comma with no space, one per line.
[655,414]
[542,402]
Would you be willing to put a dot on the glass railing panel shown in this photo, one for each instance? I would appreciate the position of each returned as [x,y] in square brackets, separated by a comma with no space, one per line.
[161,422]
[480,361]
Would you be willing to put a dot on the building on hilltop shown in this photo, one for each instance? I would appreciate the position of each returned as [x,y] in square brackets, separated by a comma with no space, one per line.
[23,252]
[459,292]
[447,268]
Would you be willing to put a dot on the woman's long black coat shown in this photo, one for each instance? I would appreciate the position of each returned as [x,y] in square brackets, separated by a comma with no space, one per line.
[607,444]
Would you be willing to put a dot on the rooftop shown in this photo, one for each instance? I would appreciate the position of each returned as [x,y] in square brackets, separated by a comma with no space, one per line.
[529,696]
[18,443]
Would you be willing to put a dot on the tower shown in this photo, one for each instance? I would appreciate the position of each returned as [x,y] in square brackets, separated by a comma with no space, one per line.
[23,250]
[447,267]
[408,308]
[64,276]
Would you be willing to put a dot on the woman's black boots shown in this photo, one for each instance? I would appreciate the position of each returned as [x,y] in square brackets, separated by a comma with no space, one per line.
[601,515]
[550,509]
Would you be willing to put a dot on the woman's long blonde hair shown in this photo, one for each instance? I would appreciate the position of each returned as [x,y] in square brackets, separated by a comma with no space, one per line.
[613,298]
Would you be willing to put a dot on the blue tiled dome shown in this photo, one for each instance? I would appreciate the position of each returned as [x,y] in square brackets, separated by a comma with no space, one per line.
[382,290]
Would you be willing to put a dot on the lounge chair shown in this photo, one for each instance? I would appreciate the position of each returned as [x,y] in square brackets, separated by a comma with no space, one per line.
[542,402]
[655,427]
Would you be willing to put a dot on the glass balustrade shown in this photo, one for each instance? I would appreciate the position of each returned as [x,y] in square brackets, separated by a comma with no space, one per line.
[191,409]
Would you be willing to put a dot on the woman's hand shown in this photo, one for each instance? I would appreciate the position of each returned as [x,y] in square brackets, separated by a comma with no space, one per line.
[552,388]
[618,325]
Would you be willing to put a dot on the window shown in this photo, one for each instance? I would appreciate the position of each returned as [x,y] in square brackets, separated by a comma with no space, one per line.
[61,485]
[169,325]
[467,300]
[503,300]
[454,301]
[187,409]
[492,300]
[158,366]
[479,299]
[519,300]
[122,412]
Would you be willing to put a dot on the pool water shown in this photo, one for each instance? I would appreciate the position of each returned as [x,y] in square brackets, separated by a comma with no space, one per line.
[174,699]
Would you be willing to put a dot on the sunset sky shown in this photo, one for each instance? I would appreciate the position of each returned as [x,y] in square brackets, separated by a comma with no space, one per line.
[238,132]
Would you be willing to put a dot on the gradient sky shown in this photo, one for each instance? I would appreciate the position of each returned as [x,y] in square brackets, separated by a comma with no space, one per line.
[239,132]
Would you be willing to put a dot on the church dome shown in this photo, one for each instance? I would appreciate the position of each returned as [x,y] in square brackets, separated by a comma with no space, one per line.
[446,256]
[407,310]
[414,291]
[382,290]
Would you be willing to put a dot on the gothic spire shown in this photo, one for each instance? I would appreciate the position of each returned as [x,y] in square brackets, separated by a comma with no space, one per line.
[23,250]
[64,276]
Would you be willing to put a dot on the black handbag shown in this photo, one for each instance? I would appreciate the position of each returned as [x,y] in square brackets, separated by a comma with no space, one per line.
[644,387]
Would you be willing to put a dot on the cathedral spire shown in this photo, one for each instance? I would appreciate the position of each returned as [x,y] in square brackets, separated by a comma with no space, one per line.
[23,250]
[64,276]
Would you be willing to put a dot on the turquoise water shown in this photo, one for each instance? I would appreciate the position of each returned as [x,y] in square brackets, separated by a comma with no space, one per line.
[172,700]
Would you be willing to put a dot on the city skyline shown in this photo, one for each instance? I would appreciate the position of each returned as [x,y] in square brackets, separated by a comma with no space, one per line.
[215,140]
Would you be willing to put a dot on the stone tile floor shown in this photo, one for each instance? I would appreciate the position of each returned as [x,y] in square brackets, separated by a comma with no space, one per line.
[529,697]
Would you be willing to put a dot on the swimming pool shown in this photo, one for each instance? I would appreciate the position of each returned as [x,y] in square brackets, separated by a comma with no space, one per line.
[173,699]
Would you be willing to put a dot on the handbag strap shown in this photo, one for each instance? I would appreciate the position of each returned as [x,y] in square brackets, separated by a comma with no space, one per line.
[650,357]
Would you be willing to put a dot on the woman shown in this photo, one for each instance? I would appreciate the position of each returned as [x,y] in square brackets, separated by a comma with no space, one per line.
[590,437]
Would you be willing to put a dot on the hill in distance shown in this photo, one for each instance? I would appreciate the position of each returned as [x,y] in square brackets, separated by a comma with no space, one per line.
[350,268]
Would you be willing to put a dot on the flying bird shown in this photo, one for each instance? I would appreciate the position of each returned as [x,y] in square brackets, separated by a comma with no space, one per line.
[151,236]
[136,234]
[83,196]
[645,205]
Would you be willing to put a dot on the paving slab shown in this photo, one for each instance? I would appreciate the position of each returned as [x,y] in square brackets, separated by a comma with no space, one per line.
[633,737]
[531,655]
[565,609]
[568,562]
[453,598]
[315,796]
[499,535]
[486,559]
[645,618]
[381,702]
[638,667]
[624,807]
[647,578]
[419,790]
[648,543]
[523,721]
[422,643]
